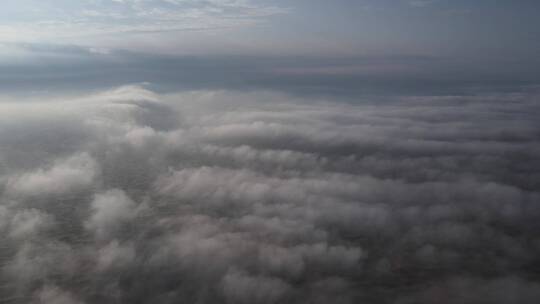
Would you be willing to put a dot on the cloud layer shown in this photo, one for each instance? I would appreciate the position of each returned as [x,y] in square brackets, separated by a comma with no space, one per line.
[221,197]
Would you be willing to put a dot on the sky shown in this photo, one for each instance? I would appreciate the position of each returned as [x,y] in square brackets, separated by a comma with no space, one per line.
[372,47]
[269,152]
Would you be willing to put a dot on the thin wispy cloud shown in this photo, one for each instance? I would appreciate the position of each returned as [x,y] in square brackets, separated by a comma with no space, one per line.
[51,19]
[422,3]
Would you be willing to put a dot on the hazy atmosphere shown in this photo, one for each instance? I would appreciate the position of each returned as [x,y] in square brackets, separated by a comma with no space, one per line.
[270,152]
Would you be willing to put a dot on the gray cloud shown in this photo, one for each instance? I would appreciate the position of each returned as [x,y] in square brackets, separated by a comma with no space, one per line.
[54,295]
[227,197]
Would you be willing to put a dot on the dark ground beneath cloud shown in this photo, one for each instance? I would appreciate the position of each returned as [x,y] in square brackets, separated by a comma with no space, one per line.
[126,196]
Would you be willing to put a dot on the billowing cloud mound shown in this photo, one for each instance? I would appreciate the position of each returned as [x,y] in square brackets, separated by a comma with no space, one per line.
[220,197]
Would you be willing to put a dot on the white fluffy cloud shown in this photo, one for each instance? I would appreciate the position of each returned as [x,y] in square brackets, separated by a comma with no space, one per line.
[75,173]
[213,197]
[110,210]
